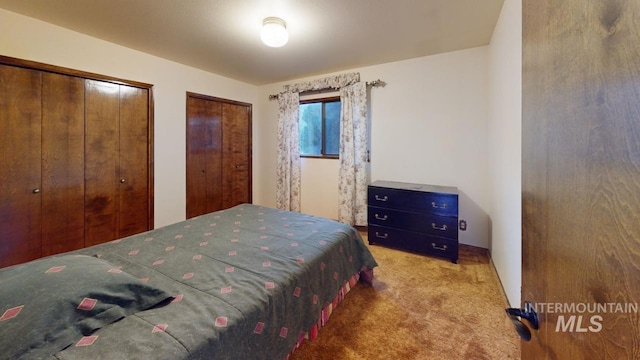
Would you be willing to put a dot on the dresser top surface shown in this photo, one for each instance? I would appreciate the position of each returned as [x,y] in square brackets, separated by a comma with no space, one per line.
[415,187]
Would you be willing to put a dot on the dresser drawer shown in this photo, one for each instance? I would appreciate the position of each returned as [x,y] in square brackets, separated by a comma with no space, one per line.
[418,201]
[415,242]
[442,226]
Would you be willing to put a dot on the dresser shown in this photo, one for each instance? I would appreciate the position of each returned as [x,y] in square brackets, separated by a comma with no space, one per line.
[414,217]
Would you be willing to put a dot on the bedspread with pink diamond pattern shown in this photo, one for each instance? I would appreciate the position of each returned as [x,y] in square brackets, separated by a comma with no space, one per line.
[246,282]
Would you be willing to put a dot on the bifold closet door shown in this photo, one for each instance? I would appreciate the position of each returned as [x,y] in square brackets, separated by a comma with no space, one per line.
[75,160]
[204,156]
[236,168]
[62,187]
[134,164]
[42,182]
[20,170]
[116,167]
[218,154]
[101,161]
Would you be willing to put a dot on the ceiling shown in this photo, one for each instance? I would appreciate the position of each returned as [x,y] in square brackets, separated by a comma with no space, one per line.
[222,36]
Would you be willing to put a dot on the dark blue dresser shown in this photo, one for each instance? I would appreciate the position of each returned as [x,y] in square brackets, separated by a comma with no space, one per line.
[414,217]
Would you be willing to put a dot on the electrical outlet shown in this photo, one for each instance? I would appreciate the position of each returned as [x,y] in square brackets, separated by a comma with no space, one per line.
[463,225]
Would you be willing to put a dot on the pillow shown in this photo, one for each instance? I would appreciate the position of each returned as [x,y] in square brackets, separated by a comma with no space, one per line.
[48,304]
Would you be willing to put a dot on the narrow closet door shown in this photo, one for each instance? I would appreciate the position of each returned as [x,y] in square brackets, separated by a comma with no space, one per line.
[62,163]
[134,166]
[20,147]
[196,168]
[101,161]
[204,156]
[236,169]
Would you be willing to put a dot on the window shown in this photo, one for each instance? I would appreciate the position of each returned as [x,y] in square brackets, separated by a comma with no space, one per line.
[320,128]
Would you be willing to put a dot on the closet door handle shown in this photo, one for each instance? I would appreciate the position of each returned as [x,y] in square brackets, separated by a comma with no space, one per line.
[123,180]
[36,191]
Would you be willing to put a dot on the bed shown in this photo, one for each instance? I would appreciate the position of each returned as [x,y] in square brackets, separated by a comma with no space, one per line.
[248,282]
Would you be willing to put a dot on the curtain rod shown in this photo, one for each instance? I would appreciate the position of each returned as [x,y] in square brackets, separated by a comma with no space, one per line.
[374,83]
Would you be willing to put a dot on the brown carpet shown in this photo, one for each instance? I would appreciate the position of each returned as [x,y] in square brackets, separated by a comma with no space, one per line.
[420,307]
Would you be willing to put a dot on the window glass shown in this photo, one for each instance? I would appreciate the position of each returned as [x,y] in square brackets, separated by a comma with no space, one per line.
[320,128]
[332,128]
[311,129]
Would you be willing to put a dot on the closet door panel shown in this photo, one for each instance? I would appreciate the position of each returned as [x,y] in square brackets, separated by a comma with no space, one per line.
[20,131]
[218,154]
[214,158]
[236,169]
[101,161]
[204,156]
[134,169]
[196,168]
[62,163]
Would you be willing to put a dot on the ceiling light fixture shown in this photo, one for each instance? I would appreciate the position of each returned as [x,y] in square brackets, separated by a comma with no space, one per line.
[274,32]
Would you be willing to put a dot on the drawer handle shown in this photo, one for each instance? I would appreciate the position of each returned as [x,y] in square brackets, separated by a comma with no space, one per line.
[441,228]
[436,206]
[381,217]
[378,235]
[442,248]
[384,198]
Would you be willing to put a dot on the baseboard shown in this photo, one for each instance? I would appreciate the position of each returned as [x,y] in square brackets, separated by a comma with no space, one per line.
[361,228]
[475,249]
[504,293]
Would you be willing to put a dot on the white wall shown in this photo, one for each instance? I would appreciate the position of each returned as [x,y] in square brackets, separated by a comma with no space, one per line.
[505,133]
[428,125]
[31,39]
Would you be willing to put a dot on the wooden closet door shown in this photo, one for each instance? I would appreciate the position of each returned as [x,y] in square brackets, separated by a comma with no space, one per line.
[134,166]
[218,154]
[236,168]
[62,163]
[204,156]
[102,109]
[196,168]
[117,161]
[20,174]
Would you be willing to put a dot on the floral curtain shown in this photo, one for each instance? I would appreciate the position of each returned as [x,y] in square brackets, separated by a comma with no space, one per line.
[332,82]
[353,174]
[288,154]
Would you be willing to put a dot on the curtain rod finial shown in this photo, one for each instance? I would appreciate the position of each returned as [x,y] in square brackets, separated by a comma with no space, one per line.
[376,83]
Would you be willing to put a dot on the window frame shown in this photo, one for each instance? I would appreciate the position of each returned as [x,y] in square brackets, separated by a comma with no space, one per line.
[322,100]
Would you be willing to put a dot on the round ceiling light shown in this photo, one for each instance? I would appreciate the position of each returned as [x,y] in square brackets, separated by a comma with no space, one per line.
[274,32]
